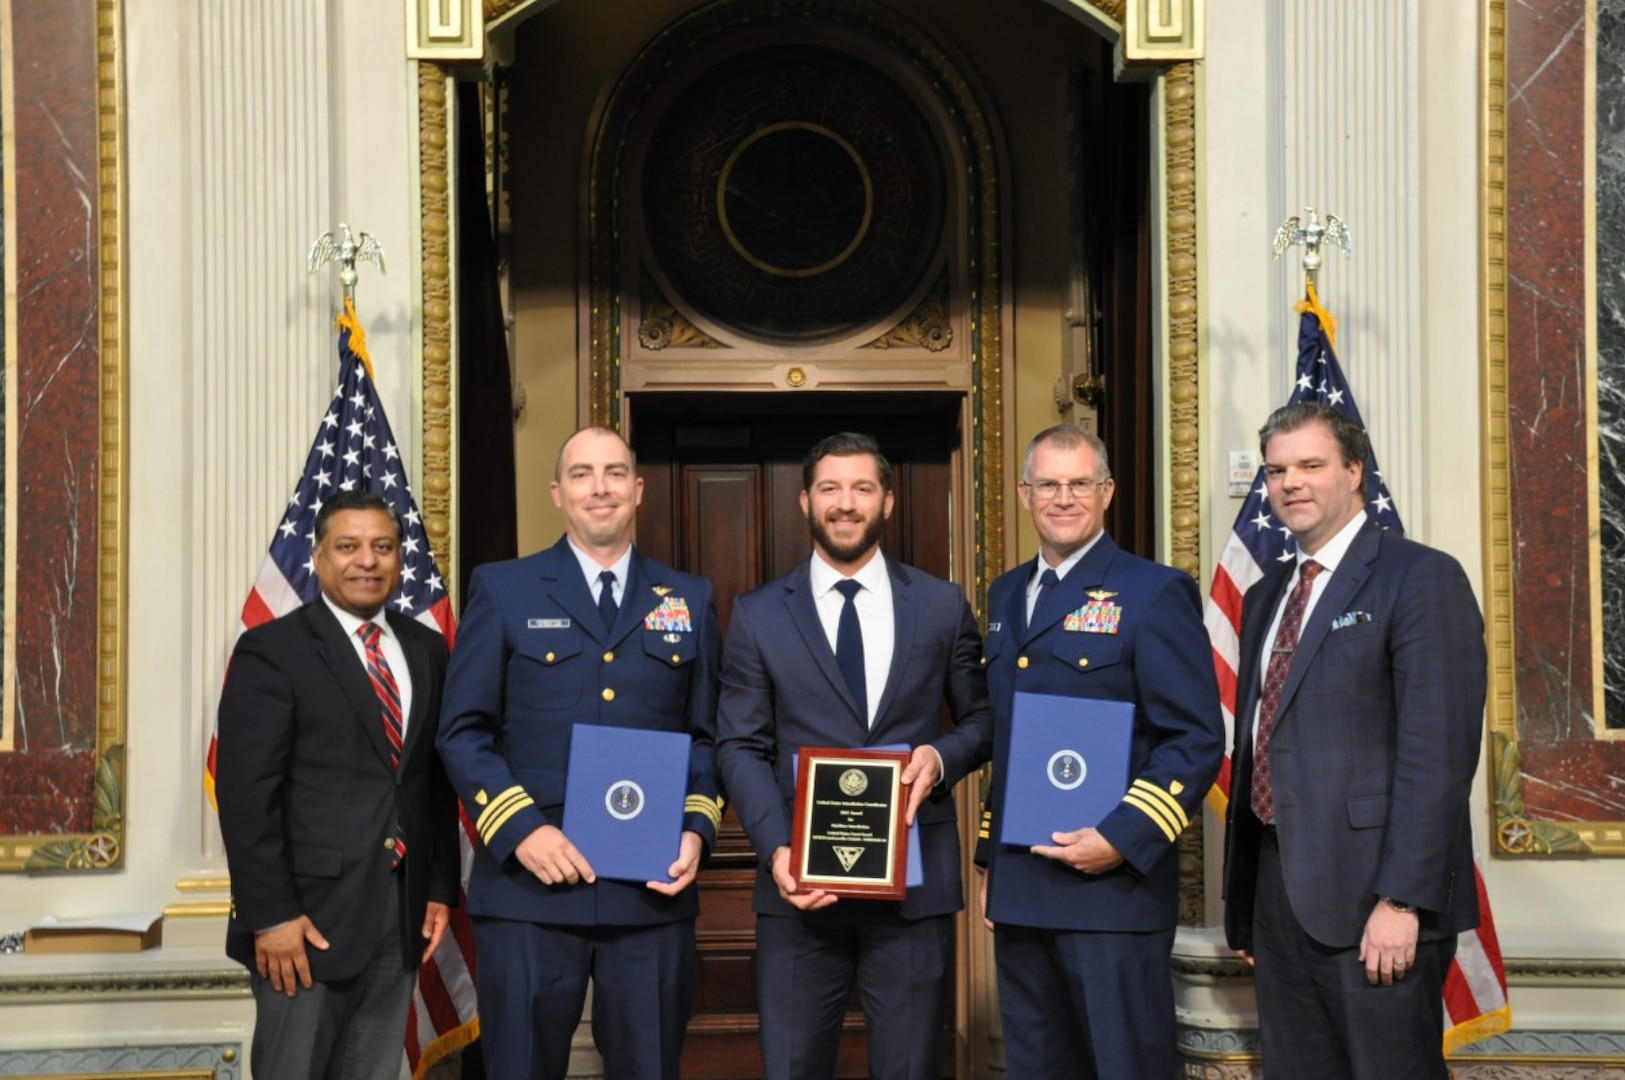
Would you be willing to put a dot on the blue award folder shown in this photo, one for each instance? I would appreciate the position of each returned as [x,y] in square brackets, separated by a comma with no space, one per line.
[914,869]
[623,800]
[1068,765]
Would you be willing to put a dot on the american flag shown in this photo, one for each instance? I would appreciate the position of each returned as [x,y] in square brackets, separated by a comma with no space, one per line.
[354,449]
[1475,988]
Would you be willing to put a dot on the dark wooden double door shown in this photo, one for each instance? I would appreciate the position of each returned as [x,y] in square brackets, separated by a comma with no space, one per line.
[722,475]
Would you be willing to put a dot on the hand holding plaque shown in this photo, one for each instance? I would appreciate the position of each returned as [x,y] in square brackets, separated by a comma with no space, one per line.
[849,838]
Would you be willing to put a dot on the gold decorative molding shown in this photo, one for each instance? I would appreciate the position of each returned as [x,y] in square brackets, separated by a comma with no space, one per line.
[1160,31]
[664,327]
[434,189]
[1184,441]
[445,30]
[927,326]
[1502,699]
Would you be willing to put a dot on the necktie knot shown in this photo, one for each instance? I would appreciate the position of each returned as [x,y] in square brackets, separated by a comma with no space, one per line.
[848,587]
[369,634]
[1049,579]
[1309,570]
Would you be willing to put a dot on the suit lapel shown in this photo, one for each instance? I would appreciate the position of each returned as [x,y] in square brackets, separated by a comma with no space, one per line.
[1351,573]
[802,610]
[334,650]
[637,599]
[1061,599]
[568,588]
[417,666]
[903,616]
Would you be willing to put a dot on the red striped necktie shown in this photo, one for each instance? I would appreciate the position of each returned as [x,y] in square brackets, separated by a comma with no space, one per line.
[389,698]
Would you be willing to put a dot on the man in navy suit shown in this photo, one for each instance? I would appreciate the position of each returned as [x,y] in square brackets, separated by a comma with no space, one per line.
[587,632]
[787,683]
[340,827]
[1083,927]
[1348,858]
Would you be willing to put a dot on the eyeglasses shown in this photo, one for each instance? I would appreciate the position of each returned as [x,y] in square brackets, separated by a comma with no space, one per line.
[1045,490]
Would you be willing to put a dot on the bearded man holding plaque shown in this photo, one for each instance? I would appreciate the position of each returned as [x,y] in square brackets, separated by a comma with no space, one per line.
[851,650]
[1084,925]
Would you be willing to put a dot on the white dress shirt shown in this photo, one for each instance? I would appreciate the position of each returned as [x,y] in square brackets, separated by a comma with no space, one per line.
[389,643]
[591,571]
[874,606]
[1329,556]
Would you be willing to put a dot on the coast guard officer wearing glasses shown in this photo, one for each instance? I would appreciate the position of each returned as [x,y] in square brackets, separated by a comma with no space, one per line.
[1083,927]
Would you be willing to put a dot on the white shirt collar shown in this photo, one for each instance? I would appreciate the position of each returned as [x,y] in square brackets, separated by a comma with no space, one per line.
[1332,551]
[590,569]
[873,577]
[1066,564]
[352,623]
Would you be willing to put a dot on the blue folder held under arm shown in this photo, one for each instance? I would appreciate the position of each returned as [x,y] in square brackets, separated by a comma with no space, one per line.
[623,800]
[1068,765]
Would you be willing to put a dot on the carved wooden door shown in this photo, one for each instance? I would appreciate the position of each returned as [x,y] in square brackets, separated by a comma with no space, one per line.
[722,477]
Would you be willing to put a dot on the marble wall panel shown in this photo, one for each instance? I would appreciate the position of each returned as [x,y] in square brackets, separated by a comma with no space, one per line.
[47,776]
[1610,232]
[1566,773]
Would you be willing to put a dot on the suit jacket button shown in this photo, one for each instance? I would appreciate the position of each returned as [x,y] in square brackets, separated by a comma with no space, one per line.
[609,657]
[1021,662]
[549,658]
[676,659]
[609,694]
[389,845]
[1083,661]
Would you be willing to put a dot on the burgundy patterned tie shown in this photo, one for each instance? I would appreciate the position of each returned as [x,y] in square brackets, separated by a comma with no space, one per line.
[1286,643]
[389,697]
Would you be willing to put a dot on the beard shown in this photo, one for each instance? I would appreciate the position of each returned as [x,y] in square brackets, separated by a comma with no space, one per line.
[846,553]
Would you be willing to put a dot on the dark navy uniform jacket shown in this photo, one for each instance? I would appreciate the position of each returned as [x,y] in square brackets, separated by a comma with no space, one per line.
[1117,628]
[532,659]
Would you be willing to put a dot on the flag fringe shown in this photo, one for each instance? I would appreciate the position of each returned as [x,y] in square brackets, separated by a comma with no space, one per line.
[347,320]
[452,1041]
[1470,1031]
[1311,303]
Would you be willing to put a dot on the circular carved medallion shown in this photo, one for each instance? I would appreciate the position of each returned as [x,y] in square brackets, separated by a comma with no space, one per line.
[793,193]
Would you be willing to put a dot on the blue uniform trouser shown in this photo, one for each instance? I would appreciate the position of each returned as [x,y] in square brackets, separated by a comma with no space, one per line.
[1086,1004]
[532,983]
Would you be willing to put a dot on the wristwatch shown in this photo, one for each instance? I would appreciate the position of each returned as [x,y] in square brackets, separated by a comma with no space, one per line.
[1398,905]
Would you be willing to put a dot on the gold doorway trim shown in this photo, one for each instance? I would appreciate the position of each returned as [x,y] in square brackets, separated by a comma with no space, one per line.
[1180,170]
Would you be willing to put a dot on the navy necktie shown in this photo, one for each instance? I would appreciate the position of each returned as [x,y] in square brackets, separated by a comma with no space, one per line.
[1047,581]
[849,646]
[606,599]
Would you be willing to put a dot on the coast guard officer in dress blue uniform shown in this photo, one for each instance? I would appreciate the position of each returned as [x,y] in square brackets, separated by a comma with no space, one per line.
[587,632]
[1083,928]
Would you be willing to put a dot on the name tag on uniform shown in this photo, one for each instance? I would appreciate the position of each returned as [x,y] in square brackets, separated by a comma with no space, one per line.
[547,624]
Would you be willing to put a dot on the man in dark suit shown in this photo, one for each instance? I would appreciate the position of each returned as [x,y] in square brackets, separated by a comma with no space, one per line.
[1083,927]
[586,632]
[340,827]
[1348,858]
[851,649]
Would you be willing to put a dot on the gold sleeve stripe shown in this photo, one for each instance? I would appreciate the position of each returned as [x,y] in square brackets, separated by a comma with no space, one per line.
[1155,813]
[503,807]
[710,808]
[1163,798]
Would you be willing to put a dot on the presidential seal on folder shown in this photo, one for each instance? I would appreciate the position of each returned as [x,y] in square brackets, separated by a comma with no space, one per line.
[1068,765]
